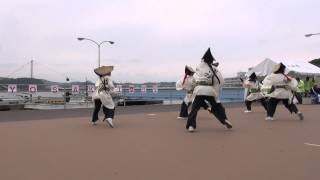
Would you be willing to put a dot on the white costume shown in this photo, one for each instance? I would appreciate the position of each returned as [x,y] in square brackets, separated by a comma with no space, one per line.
[105,95]
[283,87]
[188,86]
[279,87]
[187,83]
[254,90]
[203,78]
[207,88]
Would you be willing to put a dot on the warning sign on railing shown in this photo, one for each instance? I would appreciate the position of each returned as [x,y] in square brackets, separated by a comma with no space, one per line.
[91,88]
[155,88]
[143,89]
[54,88]
[33,88]
[119,89]
[12,88]
[75,89]
[131,89]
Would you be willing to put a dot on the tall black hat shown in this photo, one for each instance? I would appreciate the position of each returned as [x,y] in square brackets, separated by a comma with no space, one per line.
[188,70]
[279,68]
[207,57]
[253,77]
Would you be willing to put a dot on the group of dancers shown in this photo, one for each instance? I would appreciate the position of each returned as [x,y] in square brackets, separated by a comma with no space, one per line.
[275,87]
[203,86]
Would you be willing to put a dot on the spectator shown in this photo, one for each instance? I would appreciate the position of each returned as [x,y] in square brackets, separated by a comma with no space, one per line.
[300,90]
[315,94]
[307,86]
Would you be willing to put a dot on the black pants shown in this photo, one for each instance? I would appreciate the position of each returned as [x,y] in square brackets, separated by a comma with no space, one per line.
[272,106]
[108,113]
[299,97]
[216,108]
[262,101]
[184,109]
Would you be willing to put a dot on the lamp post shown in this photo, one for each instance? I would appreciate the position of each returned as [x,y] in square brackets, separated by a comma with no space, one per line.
[313,34]
[98,44]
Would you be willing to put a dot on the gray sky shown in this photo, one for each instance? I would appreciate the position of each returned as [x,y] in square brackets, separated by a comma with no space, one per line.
[154,39]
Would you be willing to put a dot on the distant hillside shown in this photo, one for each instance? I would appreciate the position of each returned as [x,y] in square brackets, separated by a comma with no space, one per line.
[316,62]
[21,81]
[149,84]
[36,81]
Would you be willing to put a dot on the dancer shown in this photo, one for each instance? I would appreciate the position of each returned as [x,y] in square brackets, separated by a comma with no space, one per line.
[254,93]
[280,87]
[187,83]
[204,91]
[103,95]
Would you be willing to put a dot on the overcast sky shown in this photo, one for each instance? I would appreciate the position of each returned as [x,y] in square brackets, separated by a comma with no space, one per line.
[154,39]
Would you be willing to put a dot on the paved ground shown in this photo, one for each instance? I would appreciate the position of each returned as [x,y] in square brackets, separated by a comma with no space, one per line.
[151,144]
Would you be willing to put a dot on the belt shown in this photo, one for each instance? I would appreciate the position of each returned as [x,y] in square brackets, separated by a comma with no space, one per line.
[281,86]
[254,90]
[204,83]
[190,92]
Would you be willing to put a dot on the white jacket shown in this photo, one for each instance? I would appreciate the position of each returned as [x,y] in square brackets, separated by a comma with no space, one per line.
[188,86]
[279,80]
[102,94]
[205,74]
[253,87]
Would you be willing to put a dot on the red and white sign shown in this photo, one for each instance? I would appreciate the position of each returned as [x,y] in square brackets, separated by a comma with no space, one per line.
[91,88]
[143,89]
[131,89]
[12,88]
[75,89]
[54,88]
[33,88]
[155,88]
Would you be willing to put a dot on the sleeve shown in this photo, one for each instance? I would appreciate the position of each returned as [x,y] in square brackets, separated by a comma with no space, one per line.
[266,84]
[219,75]
[111,85]
[179,86]
[98,82]
[293,84]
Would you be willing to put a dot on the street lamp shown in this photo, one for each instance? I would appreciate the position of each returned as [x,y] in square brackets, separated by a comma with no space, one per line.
[309,35]
[98,44]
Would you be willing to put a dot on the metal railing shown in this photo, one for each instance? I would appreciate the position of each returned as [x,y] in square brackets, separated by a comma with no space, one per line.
[44,96]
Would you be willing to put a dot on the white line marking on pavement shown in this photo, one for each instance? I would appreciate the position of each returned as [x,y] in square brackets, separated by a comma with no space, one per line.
[151,114]
[309,144]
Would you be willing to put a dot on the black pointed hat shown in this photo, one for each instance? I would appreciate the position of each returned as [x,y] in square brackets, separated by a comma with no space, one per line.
[279,68]
[207,57]
[253,77]
[188,70]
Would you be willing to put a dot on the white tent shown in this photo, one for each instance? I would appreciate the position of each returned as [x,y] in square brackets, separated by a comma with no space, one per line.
[293,68]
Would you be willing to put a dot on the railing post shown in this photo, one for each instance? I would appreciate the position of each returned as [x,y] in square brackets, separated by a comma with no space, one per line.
[64,99]
[170,97]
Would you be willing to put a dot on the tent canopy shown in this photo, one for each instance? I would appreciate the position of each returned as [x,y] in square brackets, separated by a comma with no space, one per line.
[294,68]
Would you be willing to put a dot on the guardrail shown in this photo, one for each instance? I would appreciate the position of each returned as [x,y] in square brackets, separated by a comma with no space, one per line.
[169,95]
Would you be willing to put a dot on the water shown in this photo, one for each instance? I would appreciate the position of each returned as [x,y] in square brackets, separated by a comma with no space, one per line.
[171,94]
